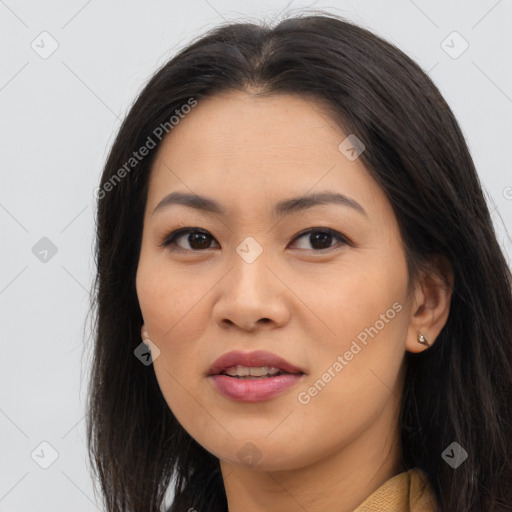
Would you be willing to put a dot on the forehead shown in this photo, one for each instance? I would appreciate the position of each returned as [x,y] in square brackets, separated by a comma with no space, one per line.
[235,119]
[242,149]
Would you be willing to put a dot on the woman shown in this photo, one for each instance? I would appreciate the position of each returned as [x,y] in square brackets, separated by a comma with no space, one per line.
[291,222]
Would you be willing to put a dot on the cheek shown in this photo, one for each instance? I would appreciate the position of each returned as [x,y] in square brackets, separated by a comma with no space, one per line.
[174,316]
[167,297]
[372,291]
[365,311]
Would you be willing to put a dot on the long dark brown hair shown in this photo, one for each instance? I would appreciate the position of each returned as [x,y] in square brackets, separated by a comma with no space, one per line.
[459,390]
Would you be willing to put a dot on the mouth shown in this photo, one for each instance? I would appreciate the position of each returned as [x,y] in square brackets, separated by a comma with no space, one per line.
[261,372]
[253,376]
[253,365]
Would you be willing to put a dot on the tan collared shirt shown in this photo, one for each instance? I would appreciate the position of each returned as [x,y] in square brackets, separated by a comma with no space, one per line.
[406,492]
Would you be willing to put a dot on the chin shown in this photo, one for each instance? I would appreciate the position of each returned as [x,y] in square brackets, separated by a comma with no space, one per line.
[262,457]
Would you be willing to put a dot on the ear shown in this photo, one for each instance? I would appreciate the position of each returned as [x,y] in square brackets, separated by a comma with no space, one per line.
[432,297]
[144,333]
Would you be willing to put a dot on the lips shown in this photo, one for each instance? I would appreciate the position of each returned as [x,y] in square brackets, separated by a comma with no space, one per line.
[255,359]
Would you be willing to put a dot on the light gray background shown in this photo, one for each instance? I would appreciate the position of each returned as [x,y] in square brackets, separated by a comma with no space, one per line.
[59,117]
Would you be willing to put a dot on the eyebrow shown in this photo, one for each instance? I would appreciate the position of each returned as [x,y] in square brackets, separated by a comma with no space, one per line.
[282,208]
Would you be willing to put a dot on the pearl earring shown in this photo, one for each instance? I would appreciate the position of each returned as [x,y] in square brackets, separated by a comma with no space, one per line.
[423,340]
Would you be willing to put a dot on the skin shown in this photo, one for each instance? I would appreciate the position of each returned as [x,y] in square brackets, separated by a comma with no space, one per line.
[304,303]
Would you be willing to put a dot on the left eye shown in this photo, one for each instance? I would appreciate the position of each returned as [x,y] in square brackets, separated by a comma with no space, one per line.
[198,239]
[319,237]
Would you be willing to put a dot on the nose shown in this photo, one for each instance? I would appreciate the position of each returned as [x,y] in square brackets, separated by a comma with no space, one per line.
[251,295]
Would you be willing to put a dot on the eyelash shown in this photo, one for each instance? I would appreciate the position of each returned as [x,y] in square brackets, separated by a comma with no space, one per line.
[171,238]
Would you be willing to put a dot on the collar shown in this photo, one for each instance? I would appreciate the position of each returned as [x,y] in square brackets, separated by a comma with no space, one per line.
[409,491]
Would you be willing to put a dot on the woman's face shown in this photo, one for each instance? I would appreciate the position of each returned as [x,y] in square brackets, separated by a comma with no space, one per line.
[321,285]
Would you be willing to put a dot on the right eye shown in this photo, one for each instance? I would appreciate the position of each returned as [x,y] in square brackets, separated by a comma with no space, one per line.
[198,239]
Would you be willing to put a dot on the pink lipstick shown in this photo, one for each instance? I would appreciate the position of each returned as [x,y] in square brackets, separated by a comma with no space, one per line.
[253,376]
